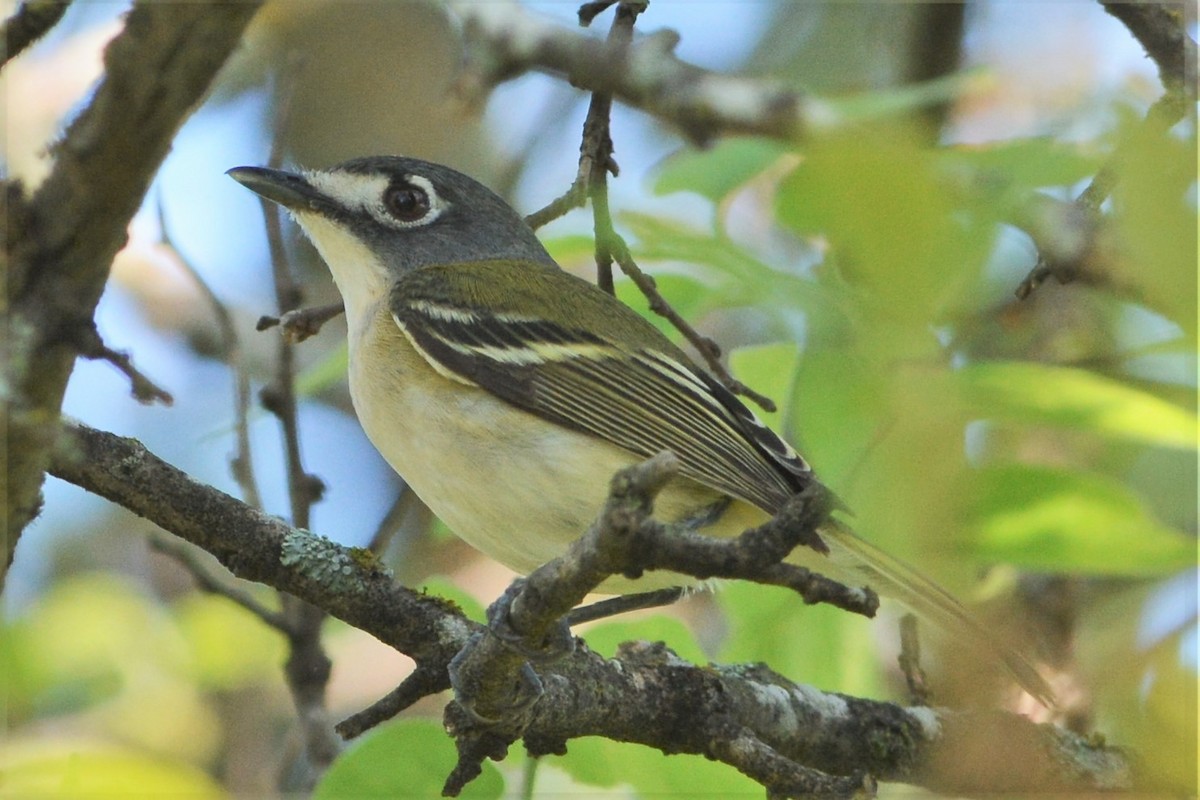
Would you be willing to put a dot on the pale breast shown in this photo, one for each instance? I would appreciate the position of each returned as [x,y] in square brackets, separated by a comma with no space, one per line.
[512,485]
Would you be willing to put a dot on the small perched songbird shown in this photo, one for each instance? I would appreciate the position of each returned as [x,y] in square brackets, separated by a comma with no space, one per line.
[507,392]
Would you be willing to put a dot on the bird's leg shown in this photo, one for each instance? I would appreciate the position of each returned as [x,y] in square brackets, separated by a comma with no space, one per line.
[625,603]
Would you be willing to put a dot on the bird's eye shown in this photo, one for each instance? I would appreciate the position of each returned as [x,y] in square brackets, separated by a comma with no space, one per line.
[405,202]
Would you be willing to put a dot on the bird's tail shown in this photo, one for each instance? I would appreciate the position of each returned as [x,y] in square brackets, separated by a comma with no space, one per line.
[893,578]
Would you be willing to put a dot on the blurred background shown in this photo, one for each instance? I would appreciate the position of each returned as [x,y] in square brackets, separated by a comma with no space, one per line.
[1036,457]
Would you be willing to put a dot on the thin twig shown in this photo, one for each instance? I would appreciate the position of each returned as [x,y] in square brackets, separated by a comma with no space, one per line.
[206,579]
[421,683]
[910,662]
[392,520]
[308,666]
[1160,30]
[708,349]
[242,463]
[30,22]
[91,346]
[302,323]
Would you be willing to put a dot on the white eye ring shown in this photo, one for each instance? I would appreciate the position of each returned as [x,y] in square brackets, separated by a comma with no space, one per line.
[405,202]
[430,204]
[357,193]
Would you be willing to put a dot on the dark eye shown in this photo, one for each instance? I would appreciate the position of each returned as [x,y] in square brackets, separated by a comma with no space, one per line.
[406,202]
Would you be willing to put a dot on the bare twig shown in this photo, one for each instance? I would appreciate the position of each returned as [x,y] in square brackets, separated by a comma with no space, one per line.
[423,682]
[1160,29]
[31,21]
[91,346]
[209,582]
[308,666]
[910,661]
[242,463]
[302,323]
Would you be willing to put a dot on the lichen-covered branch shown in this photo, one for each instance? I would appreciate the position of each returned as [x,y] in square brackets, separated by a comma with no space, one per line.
[647,695]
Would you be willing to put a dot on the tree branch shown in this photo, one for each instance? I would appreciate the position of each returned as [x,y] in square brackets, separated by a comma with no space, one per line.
[64,236]
[30,22]
[503,41]
[1161,29]
[648,695]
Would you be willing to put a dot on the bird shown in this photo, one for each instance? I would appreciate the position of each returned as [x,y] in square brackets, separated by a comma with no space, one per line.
[506,391]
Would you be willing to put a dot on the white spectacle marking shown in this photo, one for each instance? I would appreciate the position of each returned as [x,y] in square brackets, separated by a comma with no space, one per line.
[353,192]
[357,192]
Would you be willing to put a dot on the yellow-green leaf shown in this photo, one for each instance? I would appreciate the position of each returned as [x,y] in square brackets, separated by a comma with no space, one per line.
[1066,396]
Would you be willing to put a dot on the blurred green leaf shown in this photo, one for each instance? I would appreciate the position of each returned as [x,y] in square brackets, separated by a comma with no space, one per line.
[898,100]
[732,277]
[605,637]
[688,296]
[1060,521]
[600,762]
[408,758]
[769,369]
[71,770]
[1027,164]
[230,647]
[570,248]
[717,171]
[896,231]
[1156,193]
[444,588]
[1031,393]
[817,645]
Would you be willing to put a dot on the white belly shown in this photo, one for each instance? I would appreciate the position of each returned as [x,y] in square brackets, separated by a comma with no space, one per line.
[512,486]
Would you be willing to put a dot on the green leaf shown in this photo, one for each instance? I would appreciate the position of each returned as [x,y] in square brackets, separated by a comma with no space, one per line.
[1026,164]
[569,248]
[52,769]
[769,369]
[230,648]
[897,100]
[600,762]
[443,588]
[688,296]
[1059,521]
[409,758]
[718,171]
[818,645]
[733,277]
[1032,393]
[896,231]
[605,637]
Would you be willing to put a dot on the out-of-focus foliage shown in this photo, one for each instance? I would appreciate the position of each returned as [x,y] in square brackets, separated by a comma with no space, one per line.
[948,455]
[408,758]
[863,281]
